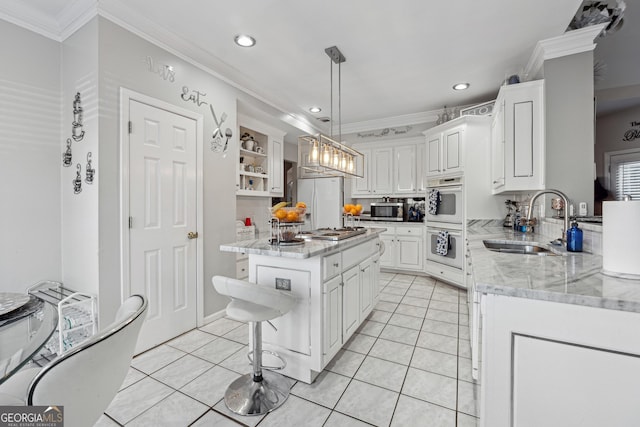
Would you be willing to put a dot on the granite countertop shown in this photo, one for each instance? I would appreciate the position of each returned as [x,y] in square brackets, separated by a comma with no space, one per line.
[573,278]
[309,249]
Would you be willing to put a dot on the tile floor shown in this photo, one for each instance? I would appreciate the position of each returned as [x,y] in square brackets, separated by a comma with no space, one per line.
[407,365]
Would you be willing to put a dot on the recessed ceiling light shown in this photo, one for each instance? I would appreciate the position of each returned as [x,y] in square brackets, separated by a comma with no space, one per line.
[244,40]
[315,109]
[461,86]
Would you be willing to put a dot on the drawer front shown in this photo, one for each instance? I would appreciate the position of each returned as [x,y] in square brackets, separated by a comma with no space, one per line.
[353,256]
[331,265]
[409,231]
[242,269]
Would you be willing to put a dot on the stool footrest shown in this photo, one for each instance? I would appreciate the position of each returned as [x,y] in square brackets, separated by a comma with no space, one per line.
[272,353]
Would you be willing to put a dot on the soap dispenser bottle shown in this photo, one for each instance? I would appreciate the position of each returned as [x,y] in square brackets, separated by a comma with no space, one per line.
[574,238]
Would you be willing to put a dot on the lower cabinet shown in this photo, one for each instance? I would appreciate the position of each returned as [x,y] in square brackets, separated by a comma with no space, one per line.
[335,293]
[350,301]
[332,303]
[404,248]
[580,364]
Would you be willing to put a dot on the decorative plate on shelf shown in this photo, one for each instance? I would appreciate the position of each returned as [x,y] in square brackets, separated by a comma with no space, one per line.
[10,301]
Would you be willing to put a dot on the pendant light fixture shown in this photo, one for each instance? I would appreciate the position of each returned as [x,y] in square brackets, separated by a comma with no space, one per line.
[323,154]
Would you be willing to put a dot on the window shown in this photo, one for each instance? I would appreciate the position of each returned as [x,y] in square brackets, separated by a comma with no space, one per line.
[624,173]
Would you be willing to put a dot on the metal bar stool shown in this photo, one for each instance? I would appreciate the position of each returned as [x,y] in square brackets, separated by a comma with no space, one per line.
[261,391]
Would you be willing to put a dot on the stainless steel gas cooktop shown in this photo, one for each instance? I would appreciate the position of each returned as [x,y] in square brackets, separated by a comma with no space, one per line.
[332,233]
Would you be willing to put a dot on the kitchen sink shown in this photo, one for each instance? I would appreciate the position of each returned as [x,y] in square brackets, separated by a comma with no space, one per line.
[525,248]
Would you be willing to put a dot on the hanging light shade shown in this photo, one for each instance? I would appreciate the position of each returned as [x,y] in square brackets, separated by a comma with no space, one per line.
[323,154]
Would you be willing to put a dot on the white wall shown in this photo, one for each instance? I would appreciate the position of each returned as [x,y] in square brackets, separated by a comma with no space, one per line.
[610,131]
[30,159]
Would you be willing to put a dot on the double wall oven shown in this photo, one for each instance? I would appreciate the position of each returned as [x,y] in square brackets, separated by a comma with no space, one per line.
[444,220]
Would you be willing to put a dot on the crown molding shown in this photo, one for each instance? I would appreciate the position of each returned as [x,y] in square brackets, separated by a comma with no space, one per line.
[570,43]
[74,15]
[396,121]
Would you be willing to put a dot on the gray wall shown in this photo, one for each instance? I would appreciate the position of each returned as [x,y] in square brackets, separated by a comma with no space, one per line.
[569,127]
[610,130]
[30,159]
[80,244]
[122,64]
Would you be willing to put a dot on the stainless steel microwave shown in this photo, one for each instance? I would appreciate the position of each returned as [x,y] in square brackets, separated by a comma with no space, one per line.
[387,211]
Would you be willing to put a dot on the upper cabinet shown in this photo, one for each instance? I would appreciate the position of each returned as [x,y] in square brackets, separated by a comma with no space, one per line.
[390,168]
[378,173]
[445,149]
[260,160]
[518,138]
[404,165]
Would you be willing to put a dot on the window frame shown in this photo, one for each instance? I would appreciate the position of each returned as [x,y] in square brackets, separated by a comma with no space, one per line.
[631,153]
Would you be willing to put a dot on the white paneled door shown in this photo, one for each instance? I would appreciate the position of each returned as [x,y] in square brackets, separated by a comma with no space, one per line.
[163,220]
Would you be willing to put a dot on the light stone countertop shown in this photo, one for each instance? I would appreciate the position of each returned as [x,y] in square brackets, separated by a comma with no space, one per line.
[309,249]
[571,279]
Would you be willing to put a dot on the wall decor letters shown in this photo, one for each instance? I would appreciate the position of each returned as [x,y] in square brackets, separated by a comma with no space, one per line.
[632,134]
[66,156]
[166,72]
[194,96]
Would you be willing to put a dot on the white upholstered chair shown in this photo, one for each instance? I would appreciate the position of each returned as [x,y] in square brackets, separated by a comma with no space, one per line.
[260,391]
[86,379]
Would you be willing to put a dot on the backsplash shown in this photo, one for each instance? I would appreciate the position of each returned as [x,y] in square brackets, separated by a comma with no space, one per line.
[256,208]
[591,234]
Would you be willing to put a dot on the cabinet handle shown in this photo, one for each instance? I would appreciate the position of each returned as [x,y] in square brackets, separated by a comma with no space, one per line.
[335,264]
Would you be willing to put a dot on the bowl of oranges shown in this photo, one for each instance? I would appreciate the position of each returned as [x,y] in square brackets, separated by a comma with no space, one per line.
[289,214]
[350,209]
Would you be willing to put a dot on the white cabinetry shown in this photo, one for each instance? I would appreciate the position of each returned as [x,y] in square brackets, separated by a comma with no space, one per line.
[260,170]
[421,168]
[518,138]
[381,171]
[332,302]
[445,149]
[566,361]
[404,166]
[362,186]
[335,294]
[276,167]
[391,168]
[404,247]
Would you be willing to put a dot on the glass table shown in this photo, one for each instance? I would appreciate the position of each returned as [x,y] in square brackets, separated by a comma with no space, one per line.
[23,332]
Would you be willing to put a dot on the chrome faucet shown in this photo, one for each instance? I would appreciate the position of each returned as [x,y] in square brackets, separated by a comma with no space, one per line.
[565,199]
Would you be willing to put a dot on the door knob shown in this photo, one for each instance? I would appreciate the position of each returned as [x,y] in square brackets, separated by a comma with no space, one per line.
[192,235]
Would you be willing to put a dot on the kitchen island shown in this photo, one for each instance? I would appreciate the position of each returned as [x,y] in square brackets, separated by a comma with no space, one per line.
[559,340]
[336,284]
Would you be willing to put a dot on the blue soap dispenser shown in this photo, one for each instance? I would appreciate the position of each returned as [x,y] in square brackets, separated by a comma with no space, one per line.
[574,238]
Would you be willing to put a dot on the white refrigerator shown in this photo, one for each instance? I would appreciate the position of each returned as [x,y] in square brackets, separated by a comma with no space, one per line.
[324,198]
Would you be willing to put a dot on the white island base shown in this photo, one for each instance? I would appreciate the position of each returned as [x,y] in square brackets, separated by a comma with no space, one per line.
[336,288]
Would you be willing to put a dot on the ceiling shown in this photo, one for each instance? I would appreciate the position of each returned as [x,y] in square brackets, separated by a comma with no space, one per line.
[402,58]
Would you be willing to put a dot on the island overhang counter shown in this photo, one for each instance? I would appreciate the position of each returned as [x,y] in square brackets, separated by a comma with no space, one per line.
[336,286]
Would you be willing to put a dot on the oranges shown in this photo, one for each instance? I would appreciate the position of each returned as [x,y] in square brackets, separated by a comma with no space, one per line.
[280,214]
[302,205]
[292,216]
[354,210]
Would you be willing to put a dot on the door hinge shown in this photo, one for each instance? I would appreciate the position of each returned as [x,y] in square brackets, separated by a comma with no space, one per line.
[130,126]
[130,222]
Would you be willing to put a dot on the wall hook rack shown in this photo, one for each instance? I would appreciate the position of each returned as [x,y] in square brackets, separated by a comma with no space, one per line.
[77,182]
[77,133]
[66,156]
[89,171]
